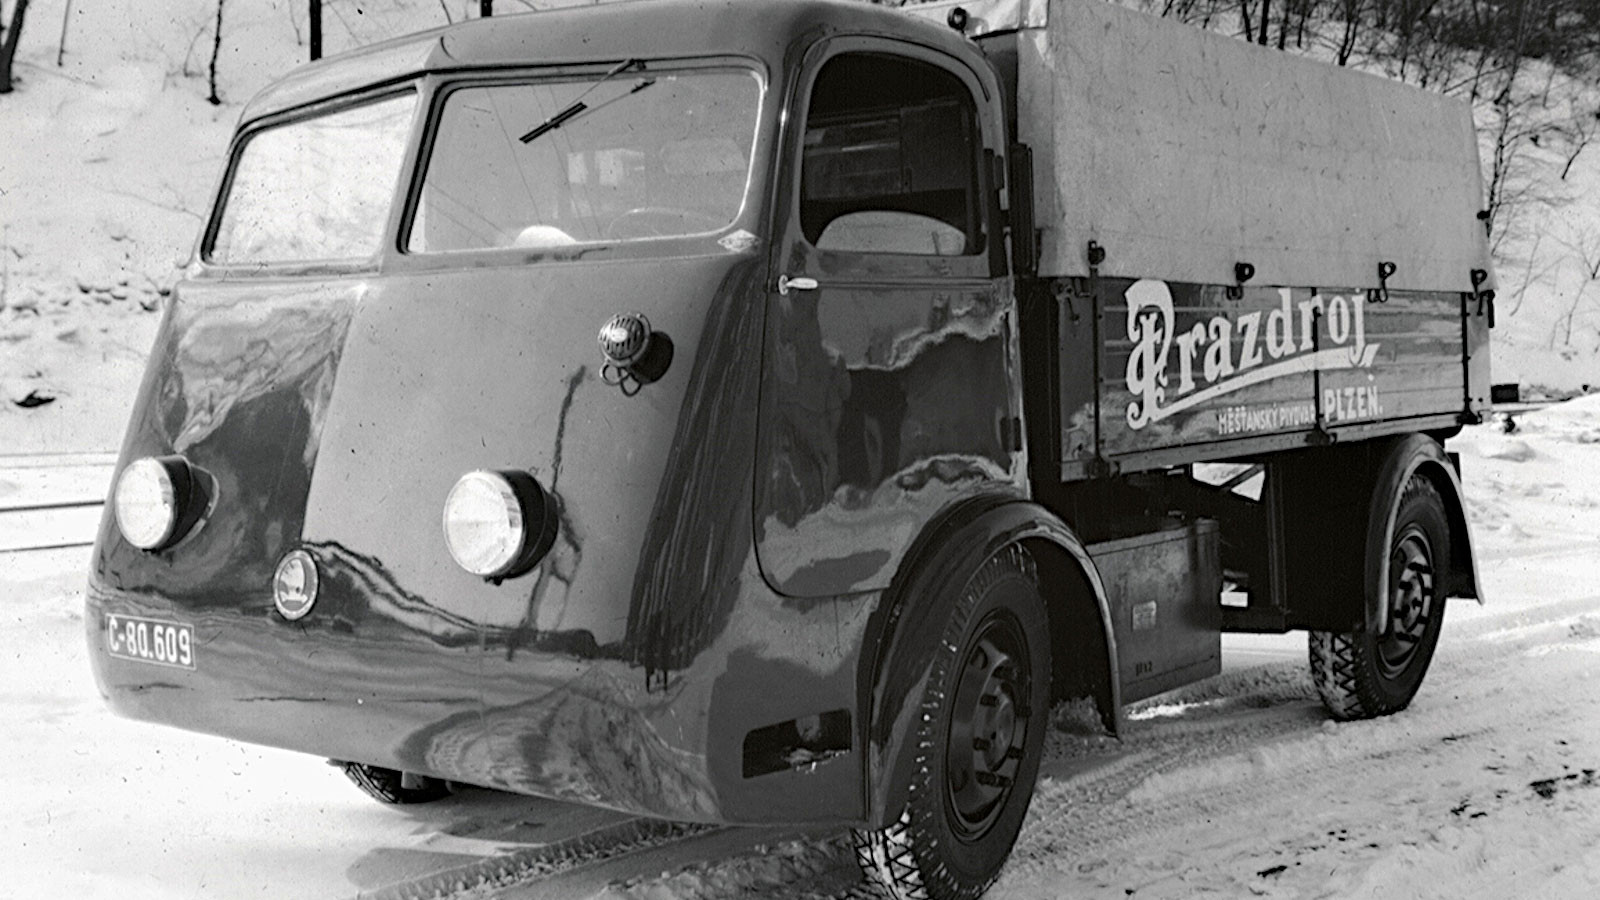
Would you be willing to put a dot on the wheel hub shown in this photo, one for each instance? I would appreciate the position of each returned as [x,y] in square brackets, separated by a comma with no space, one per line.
[988,725]
[1411,599]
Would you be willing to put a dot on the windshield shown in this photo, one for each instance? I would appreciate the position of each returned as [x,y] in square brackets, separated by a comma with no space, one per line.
[627,154]
[315,189]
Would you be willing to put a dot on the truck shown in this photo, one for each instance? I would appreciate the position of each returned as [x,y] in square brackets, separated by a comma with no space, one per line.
[755,413]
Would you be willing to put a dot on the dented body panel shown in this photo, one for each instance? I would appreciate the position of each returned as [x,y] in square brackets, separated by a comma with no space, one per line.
[625,629]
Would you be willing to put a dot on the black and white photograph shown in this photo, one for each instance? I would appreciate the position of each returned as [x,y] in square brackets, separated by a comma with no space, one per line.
[800,449]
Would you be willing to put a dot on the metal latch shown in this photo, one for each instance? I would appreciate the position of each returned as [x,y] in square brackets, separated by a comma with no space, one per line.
[1069,290]
[1242,272]
[1483,296]
[1380,294]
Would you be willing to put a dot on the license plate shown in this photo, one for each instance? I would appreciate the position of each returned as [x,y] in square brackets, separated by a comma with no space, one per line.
[151,641]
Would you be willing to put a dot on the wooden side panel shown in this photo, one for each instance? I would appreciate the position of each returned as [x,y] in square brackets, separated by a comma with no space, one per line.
[1416,369]
[1184,365]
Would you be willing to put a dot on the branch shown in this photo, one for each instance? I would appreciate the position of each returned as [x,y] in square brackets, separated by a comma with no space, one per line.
[171,206]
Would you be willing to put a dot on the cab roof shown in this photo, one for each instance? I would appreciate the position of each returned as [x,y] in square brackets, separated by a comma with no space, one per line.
[592,34]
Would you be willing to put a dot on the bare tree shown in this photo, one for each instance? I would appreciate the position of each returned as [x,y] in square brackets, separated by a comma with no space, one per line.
[8,44]
[1353,13]
[1579,130]
[1529,277]
[61,47]
[214,98]
[1585,246]
[1305,9]
[1511,123]
[316,30]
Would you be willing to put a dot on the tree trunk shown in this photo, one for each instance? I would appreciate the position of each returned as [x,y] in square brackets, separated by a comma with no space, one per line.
[61,48]
[8,46]
[1352,27]
[216,50]
[316,30]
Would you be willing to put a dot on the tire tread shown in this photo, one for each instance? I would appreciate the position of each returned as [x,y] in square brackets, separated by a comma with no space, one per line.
[904,859]
[388,786]
[1341,662]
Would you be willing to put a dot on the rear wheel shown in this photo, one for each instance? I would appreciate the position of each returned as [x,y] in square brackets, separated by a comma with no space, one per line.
[393,786]
[982,730]
[1361,675]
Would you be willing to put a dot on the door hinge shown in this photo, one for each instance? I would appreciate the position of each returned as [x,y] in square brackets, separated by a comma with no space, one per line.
[1010,433]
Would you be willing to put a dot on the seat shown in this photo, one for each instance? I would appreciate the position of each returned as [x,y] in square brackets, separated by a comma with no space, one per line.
[892,231]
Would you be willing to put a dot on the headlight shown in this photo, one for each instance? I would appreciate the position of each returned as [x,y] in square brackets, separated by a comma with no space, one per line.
[497,524]
[154,501]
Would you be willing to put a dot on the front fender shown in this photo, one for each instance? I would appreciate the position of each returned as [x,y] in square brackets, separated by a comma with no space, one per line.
[912,616]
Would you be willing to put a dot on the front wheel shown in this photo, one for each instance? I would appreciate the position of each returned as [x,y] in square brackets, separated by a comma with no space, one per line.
[1361,675]
[390,786]
[982,732]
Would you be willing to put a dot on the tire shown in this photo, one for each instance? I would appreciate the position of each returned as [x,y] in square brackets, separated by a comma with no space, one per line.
[1361,675]
[394,787]
[984,715]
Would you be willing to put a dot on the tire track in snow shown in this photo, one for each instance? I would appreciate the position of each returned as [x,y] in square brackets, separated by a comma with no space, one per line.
[1245,739]
[530,866]
[1248,735]
[1076,806]
[1438,734]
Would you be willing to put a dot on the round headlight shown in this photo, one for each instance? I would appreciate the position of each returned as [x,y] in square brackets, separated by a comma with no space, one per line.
[495,523]
[147,501]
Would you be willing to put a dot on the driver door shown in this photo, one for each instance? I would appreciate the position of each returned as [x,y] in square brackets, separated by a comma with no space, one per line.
[890,389]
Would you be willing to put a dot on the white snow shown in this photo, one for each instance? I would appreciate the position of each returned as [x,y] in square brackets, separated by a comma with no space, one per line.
[1485,787]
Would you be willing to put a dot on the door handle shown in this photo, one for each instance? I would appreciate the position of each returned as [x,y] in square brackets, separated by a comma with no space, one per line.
[787,284]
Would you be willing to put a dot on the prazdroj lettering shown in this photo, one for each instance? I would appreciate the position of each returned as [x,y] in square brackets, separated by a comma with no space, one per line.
[1169,372]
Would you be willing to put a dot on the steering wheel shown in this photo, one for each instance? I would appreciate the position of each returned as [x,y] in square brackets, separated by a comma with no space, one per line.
[659,221]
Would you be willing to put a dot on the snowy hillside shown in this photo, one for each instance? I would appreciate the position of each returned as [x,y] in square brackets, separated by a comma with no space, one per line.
[107,162]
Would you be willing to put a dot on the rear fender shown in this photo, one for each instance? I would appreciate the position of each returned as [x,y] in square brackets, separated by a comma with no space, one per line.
[919,601]
[1415,454]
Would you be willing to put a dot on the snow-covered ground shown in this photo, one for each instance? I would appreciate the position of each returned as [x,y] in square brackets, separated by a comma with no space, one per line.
[1486,787]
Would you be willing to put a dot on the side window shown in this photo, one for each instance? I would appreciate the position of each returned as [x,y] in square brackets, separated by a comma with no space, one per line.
[891,159]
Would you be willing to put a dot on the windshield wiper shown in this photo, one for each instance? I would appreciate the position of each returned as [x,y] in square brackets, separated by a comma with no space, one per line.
[578,107]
